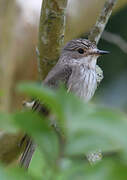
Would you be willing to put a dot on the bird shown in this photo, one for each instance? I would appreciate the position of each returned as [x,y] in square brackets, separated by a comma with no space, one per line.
[77,69]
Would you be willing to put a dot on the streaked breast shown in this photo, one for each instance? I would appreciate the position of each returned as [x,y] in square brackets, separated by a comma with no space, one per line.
[83,82]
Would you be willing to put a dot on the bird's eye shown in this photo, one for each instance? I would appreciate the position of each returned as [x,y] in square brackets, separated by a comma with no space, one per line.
[81,51]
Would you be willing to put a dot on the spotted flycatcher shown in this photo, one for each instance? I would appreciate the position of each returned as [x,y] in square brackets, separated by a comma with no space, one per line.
[76,68]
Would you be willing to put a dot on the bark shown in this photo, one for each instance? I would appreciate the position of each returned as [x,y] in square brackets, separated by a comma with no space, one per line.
[51,34]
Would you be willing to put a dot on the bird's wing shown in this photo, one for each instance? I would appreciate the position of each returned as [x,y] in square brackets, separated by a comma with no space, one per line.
[59,74]
[56,75]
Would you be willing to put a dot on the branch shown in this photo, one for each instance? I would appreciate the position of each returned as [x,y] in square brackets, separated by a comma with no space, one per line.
[115,39]
[103,18]
[51,34]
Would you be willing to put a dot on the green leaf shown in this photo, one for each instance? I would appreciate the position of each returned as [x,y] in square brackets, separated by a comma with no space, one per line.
[1,93]
[14,174]
[7,124]
[39,168]
[112,169]
[101,129]
[44,94]
[87,128]
[42,133]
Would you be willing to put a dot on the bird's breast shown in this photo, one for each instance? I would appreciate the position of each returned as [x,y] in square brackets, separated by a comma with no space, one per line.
[83,82]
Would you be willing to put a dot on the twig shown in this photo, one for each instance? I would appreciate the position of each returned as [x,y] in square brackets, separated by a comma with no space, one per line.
[115,39]
[97,30]
[103,18]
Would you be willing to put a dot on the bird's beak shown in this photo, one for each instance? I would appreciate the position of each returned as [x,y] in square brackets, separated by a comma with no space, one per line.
[101,52]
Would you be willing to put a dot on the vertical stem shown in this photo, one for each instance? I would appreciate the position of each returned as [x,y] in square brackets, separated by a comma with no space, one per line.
[51,34]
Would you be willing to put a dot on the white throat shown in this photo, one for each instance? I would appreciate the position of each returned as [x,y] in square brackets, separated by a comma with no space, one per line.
[89,61]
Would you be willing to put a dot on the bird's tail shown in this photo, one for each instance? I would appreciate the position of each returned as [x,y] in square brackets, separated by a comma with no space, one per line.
[30,147]
[27,154]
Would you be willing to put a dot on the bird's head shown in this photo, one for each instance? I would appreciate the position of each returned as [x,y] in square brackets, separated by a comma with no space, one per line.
[81,51]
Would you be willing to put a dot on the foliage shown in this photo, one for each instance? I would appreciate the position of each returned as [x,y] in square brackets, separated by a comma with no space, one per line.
[86,128]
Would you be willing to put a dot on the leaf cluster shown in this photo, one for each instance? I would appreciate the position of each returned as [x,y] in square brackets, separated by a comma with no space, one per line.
[86,128]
